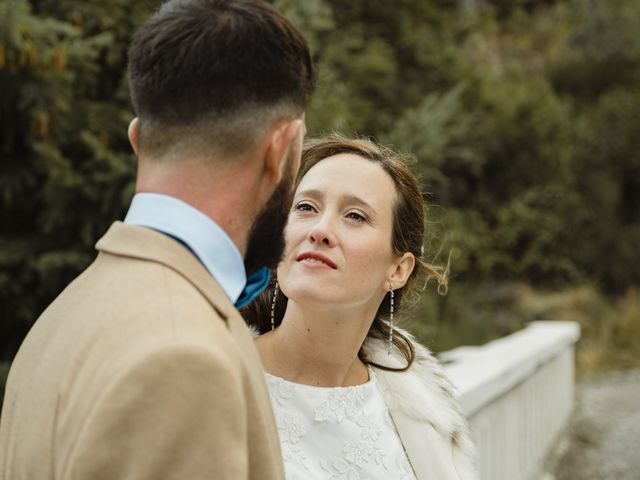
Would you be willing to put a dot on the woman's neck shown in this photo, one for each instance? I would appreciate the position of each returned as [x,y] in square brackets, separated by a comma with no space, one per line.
[317,347]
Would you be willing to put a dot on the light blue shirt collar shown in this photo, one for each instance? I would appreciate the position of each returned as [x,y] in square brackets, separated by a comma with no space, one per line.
[198,232]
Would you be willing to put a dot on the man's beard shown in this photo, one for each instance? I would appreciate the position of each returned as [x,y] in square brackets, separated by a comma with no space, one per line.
[266,240]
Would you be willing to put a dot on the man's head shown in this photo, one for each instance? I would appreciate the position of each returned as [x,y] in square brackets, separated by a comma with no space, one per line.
[210,77]
[219,82]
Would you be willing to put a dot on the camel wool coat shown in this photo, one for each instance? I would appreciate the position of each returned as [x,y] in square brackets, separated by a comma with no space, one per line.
[141,369]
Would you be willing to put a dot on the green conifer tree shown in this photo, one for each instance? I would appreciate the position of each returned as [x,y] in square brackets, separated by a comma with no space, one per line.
[66,167]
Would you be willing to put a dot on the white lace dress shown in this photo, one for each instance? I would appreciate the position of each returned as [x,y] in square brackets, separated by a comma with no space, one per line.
[341,433]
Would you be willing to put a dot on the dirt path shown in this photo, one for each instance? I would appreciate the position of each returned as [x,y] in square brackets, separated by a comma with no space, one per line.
[603,440]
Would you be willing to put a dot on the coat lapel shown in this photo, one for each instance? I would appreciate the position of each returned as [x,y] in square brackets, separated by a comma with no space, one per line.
[146,244]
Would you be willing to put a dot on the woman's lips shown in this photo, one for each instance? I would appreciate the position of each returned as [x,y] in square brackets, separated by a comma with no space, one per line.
[314,259]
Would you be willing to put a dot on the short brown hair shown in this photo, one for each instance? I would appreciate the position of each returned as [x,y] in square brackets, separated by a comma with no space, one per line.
[407,236]
[216,71]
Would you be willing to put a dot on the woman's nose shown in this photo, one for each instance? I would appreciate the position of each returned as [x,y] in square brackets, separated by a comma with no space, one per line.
[321,233]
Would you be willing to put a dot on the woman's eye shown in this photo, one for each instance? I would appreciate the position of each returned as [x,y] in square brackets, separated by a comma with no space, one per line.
[356,216]
[304,207]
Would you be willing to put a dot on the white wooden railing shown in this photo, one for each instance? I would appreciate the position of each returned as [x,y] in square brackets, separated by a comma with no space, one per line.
[518,393]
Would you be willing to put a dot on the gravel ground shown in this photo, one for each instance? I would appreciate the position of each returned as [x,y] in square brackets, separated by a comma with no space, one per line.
[603,438]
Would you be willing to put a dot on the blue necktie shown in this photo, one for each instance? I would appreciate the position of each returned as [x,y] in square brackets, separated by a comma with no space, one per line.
[257,283]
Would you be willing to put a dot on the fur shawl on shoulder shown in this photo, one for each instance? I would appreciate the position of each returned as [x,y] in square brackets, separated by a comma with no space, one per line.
[424,394]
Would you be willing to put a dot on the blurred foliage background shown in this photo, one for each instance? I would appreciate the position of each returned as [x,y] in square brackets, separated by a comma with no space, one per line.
[523,117]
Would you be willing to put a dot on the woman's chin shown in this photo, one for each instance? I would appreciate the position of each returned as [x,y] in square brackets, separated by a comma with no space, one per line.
[313,296]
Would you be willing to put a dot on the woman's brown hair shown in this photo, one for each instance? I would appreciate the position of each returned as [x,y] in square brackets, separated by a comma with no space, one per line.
[407,236]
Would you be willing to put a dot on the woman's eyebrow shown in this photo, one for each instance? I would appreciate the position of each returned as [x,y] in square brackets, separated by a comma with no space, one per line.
[348,198]
[313,193]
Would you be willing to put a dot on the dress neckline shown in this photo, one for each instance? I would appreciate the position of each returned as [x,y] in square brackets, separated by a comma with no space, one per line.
[366,385]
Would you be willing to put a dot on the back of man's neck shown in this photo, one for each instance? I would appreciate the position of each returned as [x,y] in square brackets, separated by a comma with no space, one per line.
[231,209]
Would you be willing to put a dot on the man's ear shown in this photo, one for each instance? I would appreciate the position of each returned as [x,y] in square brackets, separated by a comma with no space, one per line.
[134,134]
[401,270]
[282,138]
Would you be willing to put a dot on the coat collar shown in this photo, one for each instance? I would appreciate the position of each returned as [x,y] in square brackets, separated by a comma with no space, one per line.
[199,233]
[146,244]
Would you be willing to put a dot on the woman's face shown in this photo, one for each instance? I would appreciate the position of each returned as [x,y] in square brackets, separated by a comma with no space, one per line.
[338,236]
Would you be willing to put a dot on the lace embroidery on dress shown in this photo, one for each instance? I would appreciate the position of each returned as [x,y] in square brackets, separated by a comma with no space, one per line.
[291,428]
[280,389]
[342,433]
[341,404]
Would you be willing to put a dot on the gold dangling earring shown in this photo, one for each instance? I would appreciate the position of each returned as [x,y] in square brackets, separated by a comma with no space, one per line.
[391,320]
[273,307]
